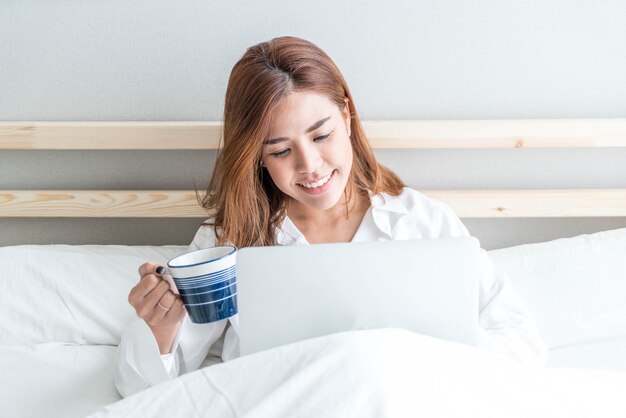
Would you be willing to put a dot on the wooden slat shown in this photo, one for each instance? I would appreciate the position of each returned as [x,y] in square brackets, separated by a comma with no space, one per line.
[540,133]
[110,135]
[534,203]
[183,203]
[99,203]
[537,133]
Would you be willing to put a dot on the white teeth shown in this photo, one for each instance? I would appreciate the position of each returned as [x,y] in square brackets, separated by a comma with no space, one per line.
[318,183]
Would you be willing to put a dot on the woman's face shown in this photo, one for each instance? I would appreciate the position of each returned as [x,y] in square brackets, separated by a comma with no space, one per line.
[308,152]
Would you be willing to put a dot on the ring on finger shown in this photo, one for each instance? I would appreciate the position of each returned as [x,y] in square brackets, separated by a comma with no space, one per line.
[163,307]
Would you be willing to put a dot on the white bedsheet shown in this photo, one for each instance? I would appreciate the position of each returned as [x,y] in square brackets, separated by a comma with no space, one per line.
[379,373]
[606,354]
[55,380]
[57,360]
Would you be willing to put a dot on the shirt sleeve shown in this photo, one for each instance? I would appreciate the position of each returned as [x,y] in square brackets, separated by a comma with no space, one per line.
[504,323]
[139,363]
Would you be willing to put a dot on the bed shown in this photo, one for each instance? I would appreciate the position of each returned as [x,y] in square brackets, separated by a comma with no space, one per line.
[64,306]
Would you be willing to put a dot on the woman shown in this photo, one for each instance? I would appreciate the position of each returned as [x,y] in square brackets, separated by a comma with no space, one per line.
[296,168]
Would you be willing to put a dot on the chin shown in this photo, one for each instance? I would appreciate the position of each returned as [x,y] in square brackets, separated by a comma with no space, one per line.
[326,203]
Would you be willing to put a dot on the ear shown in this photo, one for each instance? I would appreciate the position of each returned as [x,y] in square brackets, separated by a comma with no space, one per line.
[345,113]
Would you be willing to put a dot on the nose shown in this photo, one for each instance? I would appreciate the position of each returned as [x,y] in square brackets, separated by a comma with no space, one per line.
[308,159]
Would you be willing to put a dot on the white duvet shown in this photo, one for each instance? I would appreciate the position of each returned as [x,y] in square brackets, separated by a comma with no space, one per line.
[379,373]
[55,380]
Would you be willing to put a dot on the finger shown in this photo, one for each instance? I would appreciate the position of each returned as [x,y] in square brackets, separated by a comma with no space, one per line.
[147,268]
[162,316]
[178,311]
[140,291]
[147,308]
[167,301]
[157,293]
[160,311]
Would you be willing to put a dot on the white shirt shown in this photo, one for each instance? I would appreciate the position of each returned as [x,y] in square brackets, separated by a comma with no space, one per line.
[505,325]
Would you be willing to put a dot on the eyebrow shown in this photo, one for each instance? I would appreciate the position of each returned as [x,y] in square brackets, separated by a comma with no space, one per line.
[309,129]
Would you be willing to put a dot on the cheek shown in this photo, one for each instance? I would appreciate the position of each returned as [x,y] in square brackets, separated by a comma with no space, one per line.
[277,173]
[347,152]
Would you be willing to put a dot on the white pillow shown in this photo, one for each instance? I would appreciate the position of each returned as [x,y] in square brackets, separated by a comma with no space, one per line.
[70,293]
[574,287]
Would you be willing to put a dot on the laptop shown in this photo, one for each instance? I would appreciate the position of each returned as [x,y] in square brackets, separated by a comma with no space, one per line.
[288,294]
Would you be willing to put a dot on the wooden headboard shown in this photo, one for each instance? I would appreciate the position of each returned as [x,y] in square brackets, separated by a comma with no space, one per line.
[484,134]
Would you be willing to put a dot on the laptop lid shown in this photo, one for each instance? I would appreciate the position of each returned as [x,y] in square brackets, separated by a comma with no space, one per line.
[292,293]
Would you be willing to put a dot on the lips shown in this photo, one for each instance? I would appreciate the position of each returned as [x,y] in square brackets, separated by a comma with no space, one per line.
[319,186]
[318,183]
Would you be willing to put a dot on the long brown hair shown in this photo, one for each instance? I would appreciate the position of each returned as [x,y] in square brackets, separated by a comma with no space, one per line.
[247,205]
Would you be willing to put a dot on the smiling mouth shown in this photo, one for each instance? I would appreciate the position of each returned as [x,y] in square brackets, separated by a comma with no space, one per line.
[318,183]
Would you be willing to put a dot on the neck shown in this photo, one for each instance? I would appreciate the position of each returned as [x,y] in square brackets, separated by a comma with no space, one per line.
[337,224]
[341,212]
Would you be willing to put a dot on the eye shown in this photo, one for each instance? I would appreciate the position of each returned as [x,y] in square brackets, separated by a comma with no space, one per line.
[323,137]
[280,153]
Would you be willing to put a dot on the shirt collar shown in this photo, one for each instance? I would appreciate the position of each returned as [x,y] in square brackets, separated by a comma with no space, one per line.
[387,203]
[288,234]
[383,206]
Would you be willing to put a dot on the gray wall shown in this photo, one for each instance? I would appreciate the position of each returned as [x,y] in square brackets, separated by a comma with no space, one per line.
[164,61]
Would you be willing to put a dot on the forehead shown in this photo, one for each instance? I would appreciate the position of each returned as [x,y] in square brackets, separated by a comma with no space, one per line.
[299,110]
